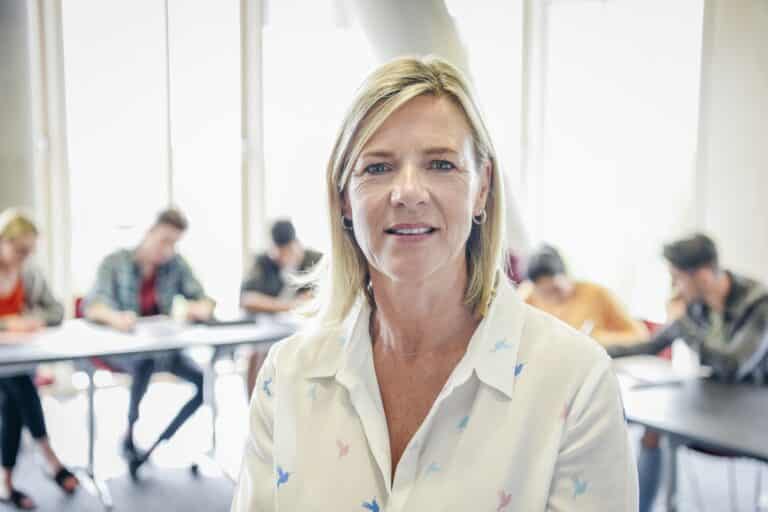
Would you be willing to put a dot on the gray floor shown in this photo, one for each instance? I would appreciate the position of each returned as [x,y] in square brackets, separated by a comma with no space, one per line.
[714,484]
[166,484]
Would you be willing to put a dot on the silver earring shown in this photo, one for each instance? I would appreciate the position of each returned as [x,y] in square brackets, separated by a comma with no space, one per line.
[346,223]
[480,219]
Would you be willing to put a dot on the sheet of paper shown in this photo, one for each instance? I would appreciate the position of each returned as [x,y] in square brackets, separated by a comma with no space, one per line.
[653,371]
[158,326]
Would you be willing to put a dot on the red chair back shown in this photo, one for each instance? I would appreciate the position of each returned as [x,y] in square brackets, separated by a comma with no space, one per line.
[653,328]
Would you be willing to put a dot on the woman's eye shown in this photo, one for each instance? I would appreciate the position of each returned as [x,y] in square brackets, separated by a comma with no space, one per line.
[376,169]
[441,165]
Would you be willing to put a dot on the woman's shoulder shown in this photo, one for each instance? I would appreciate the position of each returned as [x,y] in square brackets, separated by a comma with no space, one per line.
[309,351]
[557,347]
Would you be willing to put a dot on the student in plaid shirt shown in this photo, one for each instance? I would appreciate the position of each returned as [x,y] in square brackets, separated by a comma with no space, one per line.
[143,282]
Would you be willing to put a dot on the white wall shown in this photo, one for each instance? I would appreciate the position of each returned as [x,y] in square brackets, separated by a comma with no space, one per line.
[16,177]
[733,139]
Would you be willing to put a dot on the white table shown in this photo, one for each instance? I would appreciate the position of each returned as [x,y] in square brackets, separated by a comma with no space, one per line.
[81,340]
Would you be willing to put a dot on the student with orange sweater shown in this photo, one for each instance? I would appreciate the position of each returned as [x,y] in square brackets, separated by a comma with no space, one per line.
[585,306]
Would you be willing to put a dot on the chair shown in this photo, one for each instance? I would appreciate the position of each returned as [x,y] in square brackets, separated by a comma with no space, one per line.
[653,328]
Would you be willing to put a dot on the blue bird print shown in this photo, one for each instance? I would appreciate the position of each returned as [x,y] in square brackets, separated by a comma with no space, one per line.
[267,390]
[372,506]
[519,368]
[282,476]
[579,486]
[463,423]
[501,345]
[434,468]
[313,392]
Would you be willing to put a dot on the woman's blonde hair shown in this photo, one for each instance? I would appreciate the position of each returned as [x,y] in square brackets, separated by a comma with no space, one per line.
[384,91]
[15,224]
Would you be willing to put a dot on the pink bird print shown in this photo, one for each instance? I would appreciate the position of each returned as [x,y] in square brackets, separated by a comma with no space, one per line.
[566,411]
[343,448]
[504,500]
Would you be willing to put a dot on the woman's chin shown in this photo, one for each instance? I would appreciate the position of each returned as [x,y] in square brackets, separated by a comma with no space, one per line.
[410,273]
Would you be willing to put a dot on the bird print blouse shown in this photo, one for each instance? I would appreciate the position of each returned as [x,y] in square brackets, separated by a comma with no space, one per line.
[529,420]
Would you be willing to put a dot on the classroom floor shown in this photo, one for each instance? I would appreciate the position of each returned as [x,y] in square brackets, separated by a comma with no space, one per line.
[168,485]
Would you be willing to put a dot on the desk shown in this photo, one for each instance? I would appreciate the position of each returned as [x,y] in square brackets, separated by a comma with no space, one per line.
[716,416]
[78,340]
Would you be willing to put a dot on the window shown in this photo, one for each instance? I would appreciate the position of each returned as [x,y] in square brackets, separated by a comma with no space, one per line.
[121,109]
[313,63]
[114,72]
[205,136]
[614,177]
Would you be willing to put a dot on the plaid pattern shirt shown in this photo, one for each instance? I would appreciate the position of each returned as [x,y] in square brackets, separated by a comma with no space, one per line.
[119,278]
[736,348]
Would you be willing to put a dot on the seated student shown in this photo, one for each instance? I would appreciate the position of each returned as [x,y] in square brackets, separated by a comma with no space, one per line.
[26,305]
[725,321]
[582,305]
[268,289]
[142,282]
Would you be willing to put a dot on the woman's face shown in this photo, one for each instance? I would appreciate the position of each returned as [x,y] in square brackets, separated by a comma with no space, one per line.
[15,251]
[414,189]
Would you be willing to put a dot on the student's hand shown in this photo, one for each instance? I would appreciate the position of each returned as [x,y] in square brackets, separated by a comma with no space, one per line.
[124,321]
[23,324]
[199,311]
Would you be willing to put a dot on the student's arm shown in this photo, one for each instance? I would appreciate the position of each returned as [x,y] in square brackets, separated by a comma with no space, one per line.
[659,342]
[254,297]
[41,308]
[738,357]
[43,305]
[617,326]
[101,305]
[256,485]
[200,307]
[257,302]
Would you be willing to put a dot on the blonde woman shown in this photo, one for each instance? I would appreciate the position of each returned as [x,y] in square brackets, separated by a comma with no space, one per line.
[426,384]
[26,305]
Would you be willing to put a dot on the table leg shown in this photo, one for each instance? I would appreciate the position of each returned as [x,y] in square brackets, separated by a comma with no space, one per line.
[100,486]
[209,395]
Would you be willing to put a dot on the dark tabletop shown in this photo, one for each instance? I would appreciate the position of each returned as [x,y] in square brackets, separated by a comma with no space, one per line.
[713,415]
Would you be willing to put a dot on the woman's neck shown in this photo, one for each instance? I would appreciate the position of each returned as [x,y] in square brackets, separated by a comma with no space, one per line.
[416,318]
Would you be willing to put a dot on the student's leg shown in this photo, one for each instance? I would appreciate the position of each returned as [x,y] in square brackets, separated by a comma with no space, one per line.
[32,414]
[10,438]
[185,368]
[649,469]
[141,374]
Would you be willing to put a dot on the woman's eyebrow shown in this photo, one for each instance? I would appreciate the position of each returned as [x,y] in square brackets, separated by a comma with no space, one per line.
[440,151]
[377,153]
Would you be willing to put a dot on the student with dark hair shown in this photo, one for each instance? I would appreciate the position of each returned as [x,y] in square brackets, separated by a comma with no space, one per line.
[143,282]
[582,305]
[268,287]
[725,321]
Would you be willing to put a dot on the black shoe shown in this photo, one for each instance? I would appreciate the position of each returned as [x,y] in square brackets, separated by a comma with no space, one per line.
[133,467]
[128,450]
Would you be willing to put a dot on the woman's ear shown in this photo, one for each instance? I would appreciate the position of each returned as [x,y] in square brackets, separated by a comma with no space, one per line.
[346,211]
[486,175]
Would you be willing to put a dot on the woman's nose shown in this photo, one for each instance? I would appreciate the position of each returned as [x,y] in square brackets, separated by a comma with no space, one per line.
[409,188]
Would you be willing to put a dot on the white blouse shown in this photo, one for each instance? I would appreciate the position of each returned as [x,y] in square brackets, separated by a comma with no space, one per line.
[529,420]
